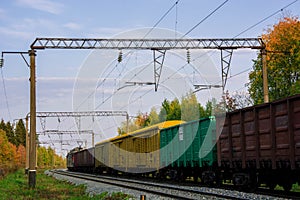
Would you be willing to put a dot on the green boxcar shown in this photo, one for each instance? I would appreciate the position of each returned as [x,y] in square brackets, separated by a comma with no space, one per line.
[191,144]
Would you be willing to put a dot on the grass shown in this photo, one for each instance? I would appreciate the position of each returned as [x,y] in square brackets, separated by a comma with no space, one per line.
[295,188]
[15,187]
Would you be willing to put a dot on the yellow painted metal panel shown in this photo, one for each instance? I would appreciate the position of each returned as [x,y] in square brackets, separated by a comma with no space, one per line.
[138,149]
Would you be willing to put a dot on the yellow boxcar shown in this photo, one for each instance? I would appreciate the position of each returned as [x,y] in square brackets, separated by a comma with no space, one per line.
[135,152]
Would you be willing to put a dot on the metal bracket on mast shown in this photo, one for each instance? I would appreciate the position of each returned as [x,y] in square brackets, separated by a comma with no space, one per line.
[158,64]
[78,123]
[226,55]
[43,123]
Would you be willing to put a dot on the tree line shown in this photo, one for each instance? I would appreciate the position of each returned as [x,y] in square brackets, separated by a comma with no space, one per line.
[13,153]
[186,109]
[12,147]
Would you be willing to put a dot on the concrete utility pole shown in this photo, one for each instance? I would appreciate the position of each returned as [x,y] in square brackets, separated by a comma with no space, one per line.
[32,138]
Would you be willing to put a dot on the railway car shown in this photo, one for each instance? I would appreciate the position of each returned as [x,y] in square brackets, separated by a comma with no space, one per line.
[70,161]
[189,150]
[261,144]
[135,152]
[81,160]
[70,158]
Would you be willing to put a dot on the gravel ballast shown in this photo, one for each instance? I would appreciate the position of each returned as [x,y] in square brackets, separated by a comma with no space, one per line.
[94,188]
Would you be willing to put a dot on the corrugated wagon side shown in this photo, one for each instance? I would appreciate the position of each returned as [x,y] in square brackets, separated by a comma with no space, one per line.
[135,152]
[261,144]
[189,150]
[84,160]
[102,158]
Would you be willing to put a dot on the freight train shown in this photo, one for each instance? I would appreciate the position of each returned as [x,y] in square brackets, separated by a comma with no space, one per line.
[247,147]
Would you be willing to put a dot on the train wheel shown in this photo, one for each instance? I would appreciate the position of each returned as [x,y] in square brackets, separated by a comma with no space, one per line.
[181,177]
[174,175]
[159,175]
[195,178]
[208,178]
[287,186]
[272,185]
[286,182]
[245,181]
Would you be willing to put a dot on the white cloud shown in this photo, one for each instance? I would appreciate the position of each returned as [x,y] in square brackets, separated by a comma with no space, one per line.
[72,26]
[43,5]
[15,33]
[17,79]
[28,28]
[104,32]
[55,79]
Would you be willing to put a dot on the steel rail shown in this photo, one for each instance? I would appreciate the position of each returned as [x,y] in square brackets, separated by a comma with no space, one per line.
[165,189]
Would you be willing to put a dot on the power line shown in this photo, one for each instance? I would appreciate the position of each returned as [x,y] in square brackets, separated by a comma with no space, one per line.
[101,83]
[163,81]
[176,20]
[261,21]
[5,94]
[175,4]
[239,73]
[205,18]
[135,75]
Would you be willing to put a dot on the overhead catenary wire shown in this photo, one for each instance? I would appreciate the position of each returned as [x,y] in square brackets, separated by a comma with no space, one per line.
[155,25]
[102,82]
[254,25]
[163,81]
[5,94]
[148,91]
[176,20]
[168,11]
[266,18]
[98,85]
[205,18]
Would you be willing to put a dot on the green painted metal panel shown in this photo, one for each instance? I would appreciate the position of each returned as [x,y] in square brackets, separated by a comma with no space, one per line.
[191,144]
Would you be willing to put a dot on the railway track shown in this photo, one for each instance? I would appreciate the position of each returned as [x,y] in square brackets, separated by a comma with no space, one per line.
[158,189]
[162,189]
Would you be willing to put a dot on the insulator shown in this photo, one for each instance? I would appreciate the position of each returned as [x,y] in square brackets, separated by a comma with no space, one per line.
[1,62]
[120,57]
[188,56]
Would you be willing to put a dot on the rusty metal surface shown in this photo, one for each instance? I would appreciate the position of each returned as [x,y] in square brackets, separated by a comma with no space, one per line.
[263,136]
[84,158]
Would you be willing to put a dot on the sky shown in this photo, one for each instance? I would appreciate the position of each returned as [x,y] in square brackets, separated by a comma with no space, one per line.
[71,80]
